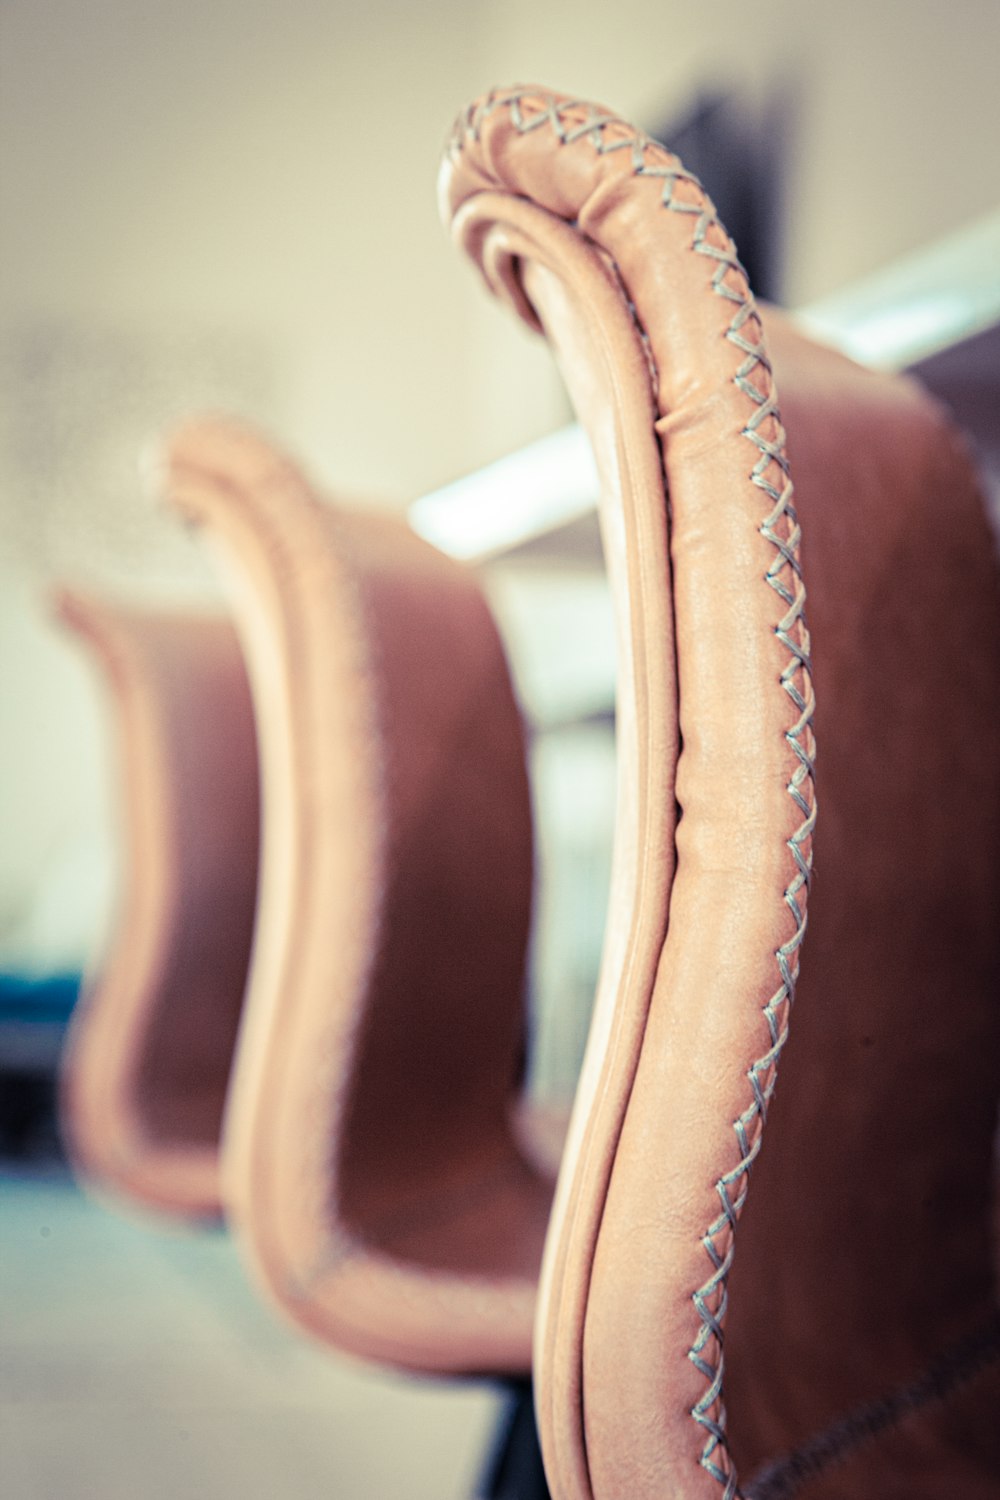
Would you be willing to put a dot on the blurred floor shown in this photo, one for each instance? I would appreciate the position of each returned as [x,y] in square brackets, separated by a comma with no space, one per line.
[136,1363]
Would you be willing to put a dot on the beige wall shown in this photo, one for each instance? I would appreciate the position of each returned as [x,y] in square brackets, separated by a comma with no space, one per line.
[232,202]
[270,169]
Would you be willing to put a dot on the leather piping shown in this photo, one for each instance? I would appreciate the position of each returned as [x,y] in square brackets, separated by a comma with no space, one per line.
[570,120]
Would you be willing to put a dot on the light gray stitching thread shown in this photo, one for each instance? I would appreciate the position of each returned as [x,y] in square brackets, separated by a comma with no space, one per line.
[531,110]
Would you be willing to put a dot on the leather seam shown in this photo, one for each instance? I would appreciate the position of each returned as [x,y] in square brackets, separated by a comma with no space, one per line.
[572,120]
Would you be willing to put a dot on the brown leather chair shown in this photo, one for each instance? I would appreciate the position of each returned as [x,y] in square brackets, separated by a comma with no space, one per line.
[150,1047]
[373,1163]
[859,1318]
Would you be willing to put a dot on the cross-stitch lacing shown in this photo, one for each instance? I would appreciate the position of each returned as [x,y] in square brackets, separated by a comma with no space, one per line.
[572,120]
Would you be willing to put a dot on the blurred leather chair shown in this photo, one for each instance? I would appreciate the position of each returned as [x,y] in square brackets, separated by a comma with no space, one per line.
[151,1043]
[850,1349]
[374,1164]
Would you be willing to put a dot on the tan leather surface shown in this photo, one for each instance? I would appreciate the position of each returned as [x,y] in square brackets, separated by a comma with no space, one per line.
[877,1180]
[371,1166]
[150,1047]
[865,1251]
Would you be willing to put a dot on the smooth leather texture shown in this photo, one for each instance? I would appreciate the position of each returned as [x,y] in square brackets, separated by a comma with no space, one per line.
[373,1167]
[151,1043]
[859,1314]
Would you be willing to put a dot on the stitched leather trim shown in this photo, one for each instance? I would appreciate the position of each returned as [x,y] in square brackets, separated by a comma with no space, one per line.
[571,120]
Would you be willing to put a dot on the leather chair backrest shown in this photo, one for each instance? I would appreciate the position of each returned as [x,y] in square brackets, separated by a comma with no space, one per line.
[372,1168]
[151,1044]
[864,1267]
